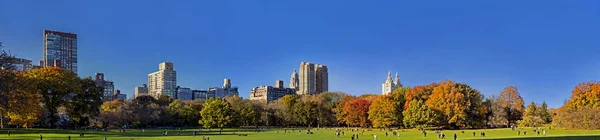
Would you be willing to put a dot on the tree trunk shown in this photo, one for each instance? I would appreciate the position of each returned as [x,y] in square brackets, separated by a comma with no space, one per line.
[1,121]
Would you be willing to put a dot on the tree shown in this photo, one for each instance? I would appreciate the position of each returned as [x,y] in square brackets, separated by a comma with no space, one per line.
[306,112]
[21,105]
[216,113]
[288,102]
[177,110]
[243,112]
[339,108]
[585,95]
[85,103]
[543,113]
[6,59]
[383,112]
[399,100]
[461,105]
[532,117]
[144,100]
[54,85]
[356,112]
[512,103]
[418,93]
[497,114]
[420,115]
[7,78]
[116,113]
[164,100]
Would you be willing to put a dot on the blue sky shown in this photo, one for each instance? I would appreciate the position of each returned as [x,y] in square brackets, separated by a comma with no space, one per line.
[542,47]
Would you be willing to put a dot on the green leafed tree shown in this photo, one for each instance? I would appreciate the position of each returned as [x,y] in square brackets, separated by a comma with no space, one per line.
[216,114]
[418,114]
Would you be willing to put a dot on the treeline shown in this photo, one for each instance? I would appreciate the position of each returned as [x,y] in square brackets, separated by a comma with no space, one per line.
[54,98]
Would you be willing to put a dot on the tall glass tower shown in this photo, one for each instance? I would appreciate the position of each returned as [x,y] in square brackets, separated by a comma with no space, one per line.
[60,50]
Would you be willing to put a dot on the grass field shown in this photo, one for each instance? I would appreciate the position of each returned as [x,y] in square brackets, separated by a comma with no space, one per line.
[277,134]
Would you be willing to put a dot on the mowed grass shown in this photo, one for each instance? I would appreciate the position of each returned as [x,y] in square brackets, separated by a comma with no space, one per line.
[278,134]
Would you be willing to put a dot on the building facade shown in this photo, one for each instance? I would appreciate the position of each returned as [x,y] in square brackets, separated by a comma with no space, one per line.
[141,90]
[163,81]
[224,91]
[23,65]
[60,50]
[321,78]
[119,96]
[269,93]
[108,87]
[389,86]
[313,79]
[184,93]
[294,81]
[201,95]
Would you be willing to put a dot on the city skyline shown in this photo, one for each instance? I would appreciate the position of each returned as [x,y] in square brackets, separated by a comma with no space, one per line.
[544,52]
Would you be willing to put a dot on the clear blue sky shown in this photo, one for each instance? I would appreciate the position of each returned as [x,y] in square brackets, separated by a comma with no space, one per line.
[543,47]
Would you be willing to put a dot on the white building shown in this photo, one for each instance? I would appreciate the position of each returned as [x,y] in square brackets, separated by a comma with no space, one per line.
[294,82]
[163,81]
[389,86]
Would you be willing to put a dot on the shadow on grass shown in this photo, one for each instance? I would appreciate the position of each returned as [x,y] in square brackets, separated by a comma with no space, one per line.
[596,137]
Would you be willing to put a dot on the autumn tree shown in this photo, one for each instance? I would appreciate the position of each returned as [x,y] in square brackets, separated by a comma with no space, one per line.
[421,92]
[356,112]
[512,103]
[339,108]
[19,103]
[383,112]
[420,115]
[216,114]
[54,85]
[461,105]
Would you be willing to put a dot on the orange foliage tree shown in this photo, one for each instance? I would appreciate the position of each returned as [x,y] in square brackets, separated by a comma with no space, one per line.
[356,112]
[461,105]
[421,92]
[382,112]
[511,101]
[585,95]
[339,109]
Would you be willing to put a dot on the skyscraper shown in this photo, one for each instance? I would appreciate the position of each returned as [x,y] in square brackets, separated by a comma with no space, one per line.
[307,78]
[294,83]
[60,50]
[321,78]
[313,79]
[163,81]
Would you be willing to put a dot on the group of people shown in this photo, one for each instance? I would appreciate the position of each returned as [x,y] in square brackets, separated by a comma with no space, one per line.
[536,130]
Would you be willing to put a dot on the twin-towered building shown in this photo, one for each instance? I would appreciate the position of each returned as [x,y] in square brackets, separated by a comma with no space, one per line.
[314,79]
[389,86]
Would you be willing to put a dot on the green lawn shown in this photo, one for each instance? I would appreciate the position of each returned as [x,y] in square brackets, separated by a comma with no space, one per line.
[276,134]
